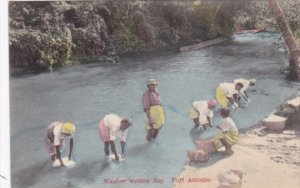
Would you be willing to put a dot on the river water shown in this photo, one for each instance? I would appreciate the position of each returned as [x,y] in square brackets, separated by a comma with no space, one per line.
[83,94]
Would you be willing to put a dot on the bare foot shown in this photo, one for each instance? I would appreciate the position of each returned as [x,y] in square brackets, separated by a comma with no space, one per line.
[150,134]
[228,152]
[53,157]
[149,138]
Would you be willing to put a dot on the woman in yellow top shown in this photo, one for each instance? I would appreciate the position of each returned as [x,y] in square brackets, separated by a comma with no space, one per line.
[153,109]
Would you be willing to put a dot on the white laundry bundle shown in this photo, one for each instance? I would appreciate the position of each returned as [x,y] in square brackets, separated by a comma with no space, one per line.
[66,162]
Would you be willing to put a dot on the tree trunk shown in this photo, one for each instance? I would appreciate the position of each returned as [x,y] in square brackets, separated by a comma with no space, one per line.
[294,51]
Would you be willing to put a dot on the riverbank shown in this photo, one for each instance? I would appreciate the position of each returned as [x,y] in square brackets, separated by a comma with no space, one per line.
[265,158]
[47,35]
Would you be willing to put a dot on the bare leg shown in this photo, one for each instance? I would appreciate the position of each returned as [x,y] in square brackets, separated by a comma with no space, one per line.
[53,157]
[150,134]
[206,126]
[196,122]
[106,148]
[155,133]
[229,151]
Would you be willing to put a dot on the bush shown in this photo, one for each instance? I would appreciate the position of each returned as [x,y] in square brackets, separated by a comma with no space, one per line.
[33,50]
[214,19]
[46,35]
[92,40]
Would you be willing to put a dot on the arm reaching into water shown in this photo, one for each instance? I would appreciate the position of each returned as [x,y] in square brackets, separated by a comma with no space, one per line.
[113,149]
[59,155]
[123,147]
[71,148]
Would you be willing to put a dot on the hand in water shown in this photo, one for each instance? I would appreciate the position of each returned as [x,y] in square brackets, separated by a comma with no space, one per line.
[116,157]
[235,105]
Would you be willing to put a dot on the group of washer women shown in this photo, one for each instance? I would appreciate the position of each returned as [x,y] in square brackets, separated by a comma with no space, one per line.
[111,127]
[229,96]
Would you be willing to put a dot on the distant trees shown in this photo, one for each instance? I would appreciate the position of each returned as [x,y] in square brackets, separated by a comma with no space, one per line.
[46,35]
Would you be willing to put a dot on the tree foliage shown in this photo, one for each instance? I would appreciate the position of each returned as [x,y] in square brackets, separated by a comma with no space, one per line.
[45,35]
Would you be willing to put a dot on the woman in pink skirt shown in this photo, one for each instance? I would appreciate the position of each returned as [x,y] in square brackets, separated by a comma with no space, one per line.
[111,127]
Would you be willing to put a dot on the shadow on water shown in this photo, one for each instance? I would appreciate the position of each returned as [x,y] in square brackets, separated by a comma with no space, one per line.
[89,171]
[29,176]
[86,171]
[173,109]
[195,134]
[134,151]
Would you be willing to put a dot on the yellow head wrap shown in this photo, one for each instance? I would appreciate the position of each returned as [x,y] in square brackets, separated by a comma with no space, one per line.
[68,128]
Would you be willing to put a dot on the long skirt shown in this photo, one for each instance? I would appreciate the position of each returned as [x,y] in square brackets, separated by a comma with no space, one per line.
[158,116]
[50,146]
[221,97]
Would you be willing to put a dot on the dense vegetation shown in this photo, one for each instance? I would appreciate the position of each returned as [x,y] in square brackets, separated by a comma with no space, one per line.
[46,35]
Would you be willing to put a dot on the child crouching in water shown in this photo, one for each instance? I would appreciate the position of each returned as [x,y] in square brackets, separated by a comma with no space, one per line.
[229,133]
